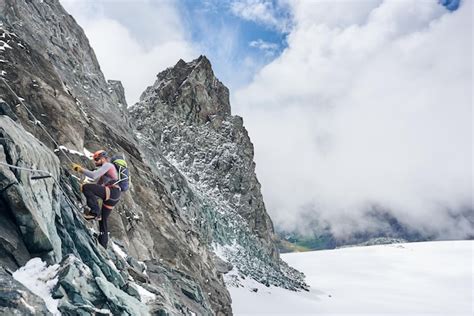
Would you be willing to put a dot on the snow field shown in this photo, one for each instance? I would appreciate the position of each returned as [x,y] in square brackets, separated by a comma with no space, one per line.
[426,278]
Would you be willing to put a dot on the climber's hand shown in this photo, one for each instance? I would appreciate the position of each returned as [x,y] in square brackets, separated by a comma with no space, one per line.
[76,167]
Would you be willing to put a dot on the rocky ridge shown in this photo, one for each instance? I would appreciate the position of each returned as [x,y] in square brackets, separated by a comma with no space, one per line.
[205,154]
[164,230]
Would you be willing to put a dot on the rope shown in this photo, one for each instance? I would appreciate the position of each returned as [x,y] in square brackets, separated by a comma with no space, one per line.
[48,174]
[68,200]
[23,168]
[37,122]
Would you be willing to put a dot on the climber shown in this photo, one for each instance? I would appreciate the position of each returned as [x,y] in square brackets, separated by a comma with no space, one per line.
[106,189]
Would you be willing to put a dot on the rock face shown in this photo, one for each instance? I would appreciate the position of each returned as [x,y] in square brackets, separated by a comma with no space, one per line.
[54,34]
[35,202]
[206,158]
[187,198]
[51,227]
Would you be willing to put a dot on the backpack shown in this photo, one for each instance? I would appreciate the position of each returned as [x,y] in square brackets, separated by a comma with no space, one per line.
[122,172]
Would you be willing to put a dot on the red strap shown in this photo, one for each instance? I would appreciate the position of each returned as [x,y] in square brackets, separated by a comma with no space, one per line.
[107,206]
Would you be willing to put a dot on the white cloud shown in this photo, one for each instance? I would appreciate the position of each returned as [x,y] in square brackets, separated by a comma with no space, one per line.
[370,104]
[261,11]
[268,47]
[134,52]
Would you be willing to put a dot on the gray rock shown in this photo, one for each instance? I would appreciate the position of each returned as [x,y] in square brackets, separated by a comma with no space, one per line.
[132,290]
[121,303]
[5,110]
[35,202]
[222,266]
[16,299]
[76,284]
[13,252]
[118,95]
[49,30]
[205,157]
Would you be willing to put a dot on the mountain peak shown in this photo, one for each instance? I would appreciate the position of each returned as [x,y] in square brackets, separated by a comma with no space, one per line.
[181,70]
[203,61]
[190,90]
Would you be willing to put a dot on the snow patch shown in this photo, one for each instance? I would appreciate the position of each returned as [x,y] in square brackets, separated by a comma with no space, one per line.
[4,45]
[87,153]
[112,264]
[71,151]
[119,250]
[40,279]
[145,295]
[224,252]
[144,266]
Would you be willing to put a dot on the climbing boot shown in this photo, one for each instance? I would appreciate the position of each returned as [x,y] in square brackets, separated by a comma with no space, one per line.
[92,216]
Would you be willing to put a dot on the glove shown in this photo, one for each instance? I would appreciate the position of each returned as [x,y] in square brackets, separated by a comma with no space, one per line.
[76,167]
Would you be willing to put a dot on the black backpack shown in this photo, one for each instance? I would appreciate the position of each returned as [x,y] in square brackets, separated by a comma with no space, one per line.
[122,172]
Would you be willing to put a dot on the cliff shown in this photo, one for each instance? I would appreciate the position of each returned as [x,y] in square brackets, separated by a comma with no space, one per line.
[179,211]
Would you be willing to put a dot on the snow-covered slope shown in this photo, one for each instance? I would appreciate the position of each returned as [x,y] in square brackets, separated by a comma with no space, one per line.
[426,278]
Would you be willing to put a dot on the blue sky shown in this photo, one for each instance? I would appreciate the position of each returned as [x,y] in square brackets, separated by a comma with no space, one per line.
[451,5]
[246,39]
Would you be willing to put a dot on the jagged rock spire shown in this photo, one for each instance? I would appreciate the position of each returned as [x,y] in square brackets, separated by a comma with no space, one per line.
[205,155]
[191,90]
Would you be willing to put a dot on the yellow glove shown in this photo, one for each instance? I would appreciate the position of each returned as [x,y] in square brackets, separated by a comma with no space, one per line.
[76,167]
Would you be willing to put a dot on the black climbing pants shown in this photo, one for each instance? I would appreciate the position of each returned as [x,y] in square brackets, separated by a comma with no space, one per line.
[94,191]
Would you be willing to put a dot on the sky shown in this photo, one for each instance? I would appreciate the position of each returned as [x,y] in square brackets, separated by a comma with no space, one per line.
[136,39]
[351,105]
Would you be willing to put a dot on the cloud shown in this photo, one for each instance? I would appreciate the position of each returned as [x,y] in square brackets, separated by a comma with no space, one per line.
[369,106]
[262,11]
[130,42]
[268,47]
